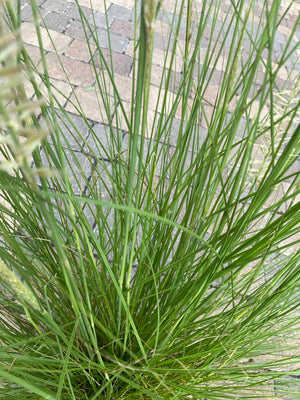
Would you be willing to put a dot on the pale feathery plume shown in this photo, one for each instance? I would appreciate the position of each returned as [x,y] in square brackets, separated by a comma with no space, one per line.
[21,291]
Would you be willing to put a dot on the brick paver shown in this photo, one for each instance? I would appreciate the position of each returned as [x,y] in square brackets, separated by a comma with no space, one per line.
[122,63]
[105,39]
[122,13]
[78,50]
[75,30]
[98,5]
[61,41]
[123,28]
[55,5]
[63,20]
[79,73]
[91,104]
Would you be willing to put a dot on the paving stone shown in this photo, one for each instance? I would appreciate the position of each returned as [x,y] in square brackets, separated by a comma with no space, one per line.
[156,97]
[159,76]
[288,387]
[73,11]
[283,73]
[161,42]
[120,122]
[34,53]
[178,110]
[216,77]
[75,30]
[101,132]
[211,94]
[125,3]
[122,63]
[101,143]
[79,50]
[55,5]
[175,79]
[131,50]
[60,89]
[118,43]
[279,38]
[123,85]
[172,129]
[91,104]
[188,157]
[281,83]
[254,30]
[277,48]
[167,17]
[98,19]
[123,28]
[174,6]
[26,13]
[162,28]
[285,30]
[163,60]
[29,89]
[207,113]
[78,174]
[204,41]
[152,154]
[29,36]
[97,5]
[174,82]
[294,169]
[78,72]
[208,34]
[293,62]
[242,128]
[25,3]
[100,186]
[102,180]
[74,131]
[57,21]
[119,12]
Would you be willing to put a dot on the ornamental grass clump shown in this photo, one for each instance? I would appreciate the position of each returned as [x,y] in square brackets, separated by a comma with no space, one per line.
[153,254]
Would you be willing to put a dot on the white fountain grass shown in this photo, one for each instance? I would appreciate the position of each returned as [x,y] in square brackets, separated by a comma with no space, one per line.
[191,267]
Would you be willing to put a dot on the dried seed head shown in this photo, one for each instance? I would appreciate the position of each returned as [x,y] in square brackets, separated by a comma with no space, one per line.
[19,136]
[149,12]
[20,290]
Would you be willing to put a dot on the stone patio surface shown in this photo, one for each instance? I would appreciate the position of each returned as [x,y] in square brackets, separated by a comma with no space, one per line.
[62,19]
